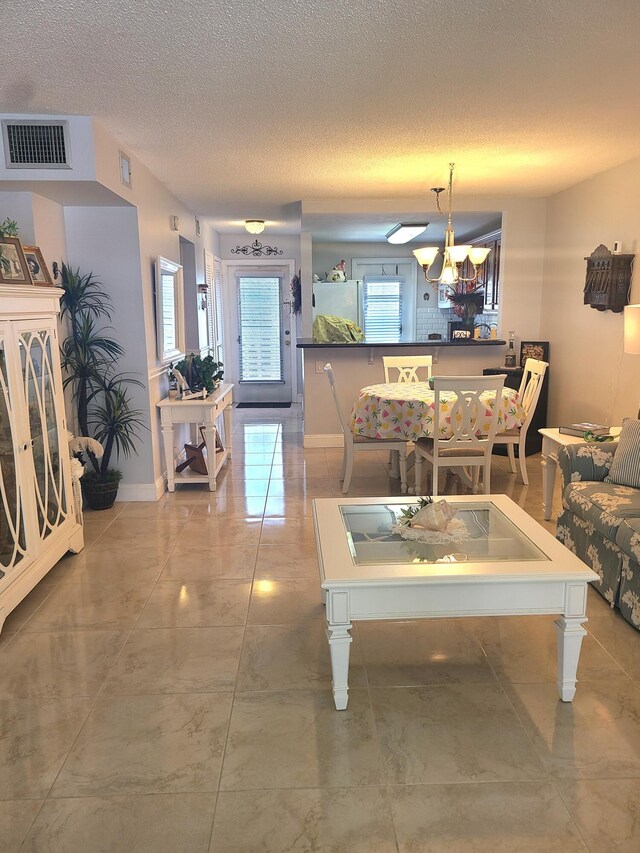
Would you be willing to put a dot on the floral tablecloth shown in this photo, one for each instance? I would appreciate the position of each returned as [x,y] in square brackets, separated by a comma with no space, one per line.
[407,410]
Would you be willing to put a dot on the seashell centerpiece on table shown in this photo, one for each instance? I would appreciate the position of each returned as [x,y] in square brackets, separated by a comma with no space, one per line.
[432,522]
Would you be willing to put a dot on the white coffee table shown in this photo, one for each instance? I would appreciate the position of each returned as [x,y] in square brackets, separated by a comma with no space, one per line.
[513,567]
[552,439]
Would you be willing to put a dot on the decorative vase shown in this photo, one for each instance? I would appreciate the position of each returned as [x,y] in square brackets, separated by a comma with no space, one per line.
[99,495]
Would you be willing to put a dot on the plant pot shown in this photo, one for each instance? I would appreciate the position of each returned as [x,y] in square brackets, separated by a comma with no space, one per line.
[99,495]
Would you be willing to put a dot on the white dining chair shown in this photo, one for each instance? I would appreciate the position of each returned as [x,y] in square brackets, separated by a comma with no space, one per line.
[464,412]
[407,367]
[353,443]
[529,393]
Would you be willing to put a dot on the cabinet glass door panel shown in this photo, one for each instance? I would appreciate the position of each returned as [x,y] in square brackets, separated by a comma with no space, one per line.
[12,533]
[39,389]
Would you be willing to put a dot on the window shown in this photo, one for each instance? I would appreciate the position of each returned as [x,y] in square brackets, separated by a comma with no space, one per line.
[382,309]
[260,332]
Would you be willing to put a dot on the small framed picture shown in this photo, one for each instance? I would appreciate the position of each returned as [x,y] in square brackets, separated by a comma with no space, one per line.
[37,267]
[534,349]
[13,264]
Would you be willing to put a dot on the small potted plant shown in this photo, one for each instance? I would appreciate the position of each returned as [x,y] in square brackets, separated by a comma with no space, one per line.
[200,372]
[467,304]
[101,395]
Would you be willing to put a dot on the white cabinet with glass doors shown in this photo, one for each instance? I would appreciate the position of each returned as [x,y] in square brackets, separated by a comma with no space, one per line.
[37,519]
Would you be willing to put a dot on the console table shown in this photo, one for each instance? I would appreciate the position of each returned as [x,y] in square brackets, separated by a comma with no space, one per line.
[197,411]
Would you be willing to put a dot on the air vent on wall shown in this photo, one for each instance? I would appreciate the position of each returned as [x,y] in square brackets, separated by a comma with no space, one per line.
[36,144]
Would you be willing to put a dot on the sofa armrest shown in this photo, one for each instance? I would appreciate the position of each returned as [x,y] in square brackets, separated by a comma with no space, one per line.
[585,462]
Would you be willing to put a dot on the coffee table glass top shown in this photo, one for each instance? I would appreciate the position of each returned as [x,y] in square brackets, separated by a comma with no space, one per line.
[489,537]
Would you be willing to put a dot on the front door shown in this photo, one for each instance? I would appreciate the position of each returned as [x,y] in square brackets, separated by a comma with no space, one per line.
[263,338]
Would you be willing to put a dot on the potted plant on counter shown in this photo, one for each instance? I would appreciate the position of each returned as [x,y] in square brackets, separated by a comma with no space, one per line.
[467,304]
[101,395]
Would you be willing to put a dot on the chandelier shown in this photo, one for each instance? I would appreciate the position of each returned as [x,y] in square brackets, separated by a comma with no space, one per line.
[454,256]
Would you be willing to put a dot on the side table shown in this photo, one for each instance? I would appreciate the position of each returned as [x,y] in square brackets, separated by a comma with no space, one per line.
[197,411]
[552,439]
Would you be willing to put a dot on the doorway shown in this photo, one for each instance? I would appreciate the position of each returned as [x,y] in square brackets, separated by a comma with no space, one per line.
[261,333]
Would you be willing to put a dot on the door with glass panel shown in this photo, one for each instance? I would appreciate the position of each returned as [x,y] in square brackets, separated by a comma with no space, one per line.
[264,338]
[40,374]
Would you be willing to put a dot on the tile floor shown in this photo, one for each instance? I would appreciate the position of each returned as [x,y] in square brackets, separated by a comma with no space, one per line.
[168,691]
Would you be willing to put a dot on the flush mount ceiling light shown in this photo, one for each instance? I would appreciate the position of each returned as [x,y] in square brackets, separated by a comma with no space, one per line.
[454,256]
[254,226]
[404,233]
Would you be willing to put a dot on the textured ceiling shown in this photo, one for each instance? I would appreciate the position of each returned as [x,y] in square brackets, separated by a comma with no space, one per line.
[243,107]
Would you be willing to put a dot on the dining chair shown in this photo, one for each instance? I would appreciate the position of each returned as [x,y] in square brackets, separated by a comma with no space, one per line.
[353,443]
[529,393]
[458,404]
[407,367]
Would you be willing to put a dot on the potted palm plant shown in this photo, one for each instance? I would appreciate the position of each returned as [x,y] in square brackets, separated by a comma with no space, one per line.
[100,393]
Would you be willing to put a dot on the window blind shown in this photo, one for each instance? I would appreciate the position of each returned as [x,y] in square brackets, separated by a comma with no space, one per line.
[211,301]
[260,332]
[217,285]
[382,309]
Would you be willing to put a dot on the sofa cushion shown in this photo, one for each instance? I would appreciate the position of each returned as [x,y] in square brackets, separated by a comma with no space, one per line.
[625,468]
[628,538]
[605,505]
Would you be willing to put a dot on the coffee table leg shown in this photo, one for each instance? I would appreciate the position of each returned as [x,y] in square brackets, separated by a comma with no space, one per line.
[339,646]
[570,634]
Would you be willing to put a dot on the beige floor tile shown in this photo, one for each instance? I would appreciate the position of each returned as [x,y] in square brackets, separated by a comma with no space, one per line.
[256,488]
[296,738]
[136,532]
[147,745]
[287,531]
[21,615]
[194,604]
[157,823]
[607,812]
[59,664]
[452,734]
[285,601]
[280,506]
[166,509]
[422,652]
[287,561]
[292,657]
[245,471]
[220,531]
[617,636]
[35,738]
[92,530]
[315,468]
[229,505]
[366,487]
[300,488]
[347,820]
[104,515]
[118,563]
[176,660]
[524,649]
[595,736]
[191,561]
[483,818]
[16,816]
[88,606]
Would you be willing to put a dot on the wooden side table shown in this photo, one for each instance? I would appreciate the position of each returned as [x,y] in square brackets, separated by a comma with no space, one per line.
[198,411]
[552,439]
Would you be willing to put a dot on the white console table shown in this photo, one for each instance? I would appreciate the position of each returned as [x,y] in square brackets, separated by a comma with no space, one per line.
[197,411]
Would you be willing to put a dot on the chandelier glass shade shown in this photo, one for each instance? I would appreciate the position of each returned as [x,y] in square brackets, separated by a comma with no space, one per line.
[454,256]
[254,226]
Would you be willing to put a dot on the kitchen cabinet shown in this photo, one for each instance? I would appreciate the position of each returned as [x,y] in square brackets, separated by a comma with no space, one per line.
[489,271]
[38,524]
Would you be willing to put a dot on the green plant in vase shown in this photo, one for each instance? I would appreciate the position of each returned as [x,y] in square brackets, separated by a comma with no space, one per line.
[466,304]
[200,372]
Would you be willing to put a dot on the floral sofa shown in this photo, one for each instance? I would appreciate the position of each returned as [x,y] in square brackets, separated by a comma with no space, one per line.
[600,523]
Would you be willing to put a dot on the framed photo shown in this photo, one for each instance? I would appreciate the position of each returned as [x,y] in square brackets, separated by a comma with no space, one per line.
[37,267]
[534,349]
[13,264]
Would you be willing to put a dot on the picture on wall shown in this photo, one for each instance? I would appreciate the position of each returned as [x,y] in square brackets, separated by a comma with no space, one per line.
[37,267]
[534,349]
[13,264]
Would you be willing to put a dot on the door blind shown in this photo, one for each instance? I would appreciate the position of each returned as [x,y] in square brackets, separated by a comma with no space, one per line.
[382,309]
[260,329]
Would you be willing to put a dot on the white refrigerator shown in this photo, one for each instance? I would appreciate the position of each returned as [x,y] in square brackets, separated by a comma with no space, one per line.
[339,298]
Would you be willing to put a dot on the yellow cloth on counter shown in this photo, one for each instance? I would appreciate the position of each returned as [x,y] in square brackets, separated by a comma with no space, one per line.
[328,329]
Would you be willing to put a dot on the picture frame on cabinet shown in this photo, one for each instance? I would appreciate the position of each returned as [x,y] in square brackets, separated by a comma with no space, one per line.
[13,264]
[534,349]
[38,269]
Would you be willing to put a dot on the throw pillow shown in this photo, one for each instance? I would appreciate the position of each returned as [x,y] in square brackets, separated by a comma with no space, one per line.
[625,468]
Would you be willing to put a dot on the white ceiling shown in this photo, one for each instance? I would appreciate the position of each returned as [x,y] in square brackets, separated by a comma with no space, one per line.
[244,107]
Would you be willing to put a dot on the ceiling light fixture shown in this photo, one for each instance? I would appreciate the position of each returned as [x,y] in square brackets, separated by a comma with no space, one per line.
[454,256]
[254,226]
[404,233]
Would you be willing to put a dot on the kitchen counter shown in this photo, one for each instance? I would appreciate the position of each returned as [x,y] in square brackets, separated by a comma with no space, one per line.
[309,343]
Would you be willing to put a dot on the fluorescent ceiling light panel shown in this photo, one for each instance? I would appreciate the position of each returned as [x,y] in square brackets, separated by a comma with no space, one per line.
[404,233]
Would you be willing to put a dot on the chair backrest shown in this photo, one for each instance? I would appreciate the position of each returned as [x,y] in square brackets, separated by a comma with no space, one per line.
[531,385]
[471,405]
[407,367]
[332,384]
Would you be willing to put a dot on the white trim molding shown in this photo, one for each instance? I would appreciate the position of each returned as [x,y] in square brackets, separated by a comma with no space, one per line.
[142,491]
[324,440]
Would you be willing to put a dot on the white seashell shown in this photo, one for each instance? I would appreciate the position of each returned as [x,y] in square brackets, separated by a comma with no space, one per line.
[435,516]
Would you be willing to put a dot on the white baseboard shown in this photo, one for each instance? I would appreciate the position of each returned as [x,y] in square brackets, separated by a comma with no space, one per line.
[142,491]
[323,440]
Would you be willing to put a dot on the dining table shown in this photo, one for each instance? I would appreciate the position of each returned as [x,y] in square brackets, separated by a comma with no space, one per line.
[407,410]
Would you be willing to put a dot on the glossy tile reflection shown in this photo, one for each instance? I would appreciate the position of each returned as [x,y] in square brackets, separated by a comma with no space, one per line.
[169,689]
